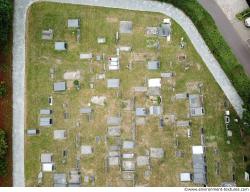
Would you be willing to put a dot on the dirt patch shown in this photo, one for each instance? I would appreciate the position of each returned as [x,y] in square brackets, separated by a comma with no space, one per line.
[139,29]
[198,66]
[71,40]
[58,61]
[112,19]
[72,75]
[181,57]
[70,85]
[141,57]
[170,118]
[192,86]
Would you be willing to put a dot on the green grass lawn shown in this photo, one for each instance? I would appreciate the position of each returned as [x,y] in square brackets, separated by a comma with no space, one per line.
[95,22]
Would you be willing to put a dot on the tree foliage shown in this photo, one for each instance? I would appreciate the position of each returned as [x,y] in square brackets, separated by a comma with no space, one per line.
[3,152]
[5,21]
[3,167]
[3,89]
[3,144]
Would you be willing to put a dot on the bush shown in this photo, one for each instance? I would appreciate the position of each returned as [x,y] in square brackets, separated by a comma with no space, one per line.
[216,43]
[248,168]
[3,167]
[5,21]
[3,144]
[76,82]
[3,89]
[159,100]
[3,152]
[244,14]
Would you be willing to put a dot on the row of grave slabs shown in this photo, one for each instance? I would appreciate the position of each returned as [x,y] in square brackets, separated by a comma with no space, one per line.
[127,150]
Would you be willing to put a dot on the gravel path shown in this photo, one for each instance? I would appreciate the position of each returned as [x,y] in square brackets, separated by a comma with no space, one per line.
[21,7]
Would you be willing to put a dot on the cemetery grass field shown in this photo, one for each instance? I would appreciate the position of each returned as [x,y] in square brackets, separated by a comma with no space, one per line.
[95,22]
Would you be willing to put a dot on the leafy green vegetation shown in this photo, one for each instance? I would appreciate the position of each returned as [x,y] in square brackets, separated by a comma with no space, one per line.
[3,152]
[5,21]
[6,7]
[207,28]
[248,168]
[244,14]
[3,89]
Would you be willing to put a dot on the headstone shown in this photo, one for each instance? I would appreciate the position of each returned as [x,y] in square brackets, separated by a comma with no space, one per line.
[203,139]
[133,131]
[52,72]
[77,124]
[179,154]
[229,133]
[86,179]
[100,76]
[65,153]
[47,34]
[40,178]
[216,151]
[142,160]
[246,176]
[78,162]
[91,85]
[117,52]
[78,137]
[217,168]
[66,115]
[92,179]
[97,139]
[147,174]
[98,57]
[182,43]
[117,37]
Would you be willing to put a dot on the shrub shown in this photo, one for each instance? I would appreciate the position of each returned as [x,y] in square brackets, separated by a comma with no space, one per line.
[248,168]
[244,14]
[159,100]
[3,167]
[76,82]
[3,143]
[3,152]
[5,21]
[3,89]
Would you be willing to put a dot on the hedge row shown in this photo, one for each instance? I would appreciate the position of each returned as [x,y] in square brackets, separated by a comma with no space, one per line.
[5,21]
[3,153]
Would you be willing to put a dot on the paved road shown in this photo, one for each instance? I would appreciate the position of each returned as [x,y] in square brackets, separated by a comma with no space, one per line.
[21,7]
[239,47]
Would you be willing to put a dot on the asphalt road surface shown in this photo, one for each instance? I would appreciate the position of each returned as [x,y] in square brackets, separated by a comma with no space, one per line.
[239,47]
